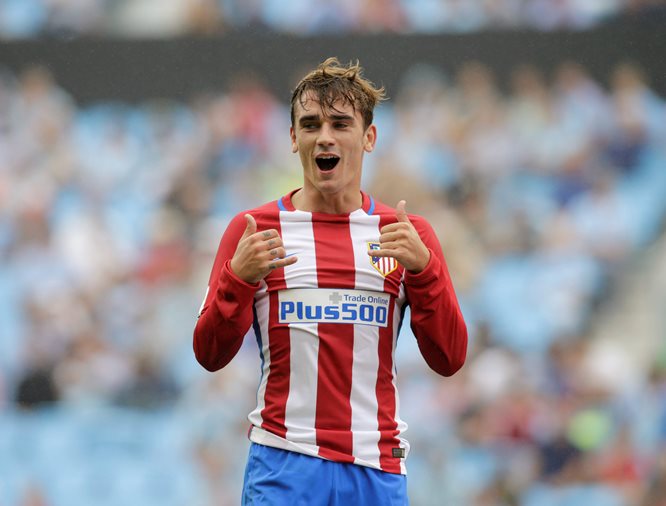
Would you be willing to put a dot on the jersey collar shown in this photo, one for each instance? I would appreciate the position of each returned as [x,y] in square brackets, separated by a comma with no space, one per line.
[367,204]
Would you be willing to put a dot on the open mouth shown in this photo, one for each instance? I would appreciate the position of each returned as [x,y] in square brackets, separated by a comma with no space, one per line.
[327,162]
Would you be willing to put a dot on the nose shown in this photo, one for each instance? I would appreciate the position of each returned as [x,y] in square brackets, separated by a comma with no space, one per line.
[325,137]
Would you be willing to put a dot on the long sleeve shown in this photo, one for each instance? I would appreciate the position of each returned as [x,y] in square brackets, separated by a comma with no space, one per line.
[226,314]
[436,320]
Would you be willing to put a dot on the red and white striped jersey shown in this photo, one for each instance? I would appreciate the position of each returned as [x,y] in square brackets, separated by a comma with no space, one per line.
[327,328]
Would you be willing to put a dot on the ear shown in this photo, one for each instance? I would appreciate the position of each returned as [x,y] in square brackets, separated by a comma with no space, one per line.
[294,145]
[370,138]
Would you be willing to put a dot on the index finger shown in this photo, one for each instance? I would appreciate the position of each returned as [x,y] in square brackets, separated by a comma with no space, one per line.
[269,234]
[392,227]
[263,235]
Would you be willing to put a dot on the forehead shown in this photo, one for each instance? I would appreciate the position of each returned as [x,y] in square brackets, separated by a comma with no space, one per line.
[309,104]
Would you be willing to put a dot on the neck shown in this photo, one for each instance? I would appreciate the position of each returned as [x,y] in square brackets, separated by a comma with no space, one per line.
[336,203]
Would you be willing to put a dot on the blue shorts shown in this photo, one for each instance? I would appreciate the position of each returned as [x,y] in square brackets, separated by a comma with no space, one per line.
[275,477]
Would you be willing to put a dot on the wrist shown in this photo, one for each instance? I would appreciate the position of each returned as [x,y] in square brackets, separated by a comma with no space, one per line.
[425,260]
[429,273]
[235,274]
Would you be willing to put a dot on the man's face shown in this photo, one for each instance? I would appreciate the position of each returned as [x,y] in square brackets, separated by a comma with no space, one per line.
[331,145]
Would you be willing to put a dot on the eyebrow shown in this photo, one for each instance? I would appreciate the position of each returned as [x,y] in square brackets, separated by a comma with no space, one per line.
[308,118]
[341,117]
[315,117]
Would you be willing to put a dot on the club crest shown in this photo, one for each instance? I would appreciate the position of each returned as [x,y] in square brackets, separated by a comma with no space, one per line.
[385,265]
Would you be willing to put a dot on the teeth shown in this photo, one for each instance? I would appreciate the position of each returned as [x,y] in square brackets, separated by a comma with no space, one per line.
[327,162]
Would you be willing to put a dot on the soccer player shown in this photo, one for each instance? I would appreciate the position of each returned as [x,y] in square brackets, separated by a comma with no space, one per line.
[323,275]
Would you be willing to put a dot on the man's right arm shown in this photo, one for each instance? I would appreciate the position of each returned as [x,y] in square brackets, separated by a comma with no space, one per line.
[226,314]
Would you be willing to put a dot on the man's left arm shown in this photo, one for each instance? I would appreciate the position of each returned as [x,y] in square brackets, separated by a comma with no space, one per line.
[437,321]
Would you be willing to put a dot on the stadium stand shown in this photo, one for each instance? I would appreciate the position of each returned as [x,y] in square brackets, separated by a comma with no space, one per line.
[20,19]
[547,196]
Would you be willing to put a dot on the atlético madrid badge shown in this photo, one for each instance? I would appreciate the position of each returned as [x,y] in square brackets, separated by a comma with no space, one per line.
[385,265]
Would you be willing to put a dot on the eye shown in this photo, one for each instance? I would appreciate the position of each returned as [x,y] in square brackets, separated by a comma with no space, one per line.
[340,124]
[309,126]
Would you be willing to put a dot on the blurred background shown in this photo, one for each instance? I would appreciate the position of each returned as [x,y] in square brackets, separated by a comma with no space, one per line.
[531,133]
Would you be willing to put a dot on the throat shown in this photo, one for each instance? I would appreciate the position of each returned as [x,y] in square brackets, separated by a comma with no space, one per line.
[314,201]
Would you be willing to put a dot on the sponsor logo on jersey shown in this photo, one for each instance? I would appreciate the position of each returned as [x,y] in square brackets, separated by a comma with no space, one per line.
[321,305]
[385,265]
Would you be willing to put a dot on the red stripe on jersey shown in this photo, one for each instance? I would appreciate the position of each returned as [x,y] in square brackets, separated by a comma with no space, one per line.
[335,269]
[336,345]
[386,395]
[388,428]
[277,384]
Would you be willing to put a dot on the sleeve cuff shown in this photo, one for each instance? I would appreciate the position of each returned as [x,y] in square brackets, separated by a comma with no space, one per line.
[236,282]
[428,274]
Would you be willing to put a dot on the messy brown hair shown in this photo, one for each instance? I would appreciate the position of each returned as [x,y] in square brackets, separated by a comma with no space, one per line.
[331,82]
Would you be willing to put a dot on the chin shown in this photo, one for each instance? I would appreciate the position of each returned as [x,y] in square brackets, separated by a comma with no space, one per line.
[328,188]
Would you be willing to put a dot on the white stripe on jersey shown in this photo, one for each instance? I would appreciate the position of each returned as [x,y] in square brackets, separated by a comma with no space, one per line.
[401,425]
[298,239]
[363,397]
[261,306]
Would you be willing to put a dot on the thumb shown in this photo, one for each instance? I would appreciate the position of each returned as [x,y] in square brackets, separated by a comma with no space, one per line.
[251,227]
[401,213]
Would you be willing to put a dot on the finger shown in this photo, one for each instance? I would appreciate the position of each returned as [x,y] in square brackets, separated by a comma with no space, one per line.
[392,227]
[277,253]
[273,243]
[267,234]
[277,264]
[401,213]
[383,253]
[250,227]
[390,237]
[391,245]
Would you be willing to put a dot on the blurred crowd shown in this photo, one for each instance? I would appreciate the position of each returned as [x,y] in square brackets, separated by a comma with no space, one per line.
[156,18]
[541,190]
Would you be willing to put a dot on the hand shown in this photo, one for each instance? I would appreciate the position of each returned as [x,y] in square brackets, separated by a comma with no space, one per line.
[258,253]
[401,241]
